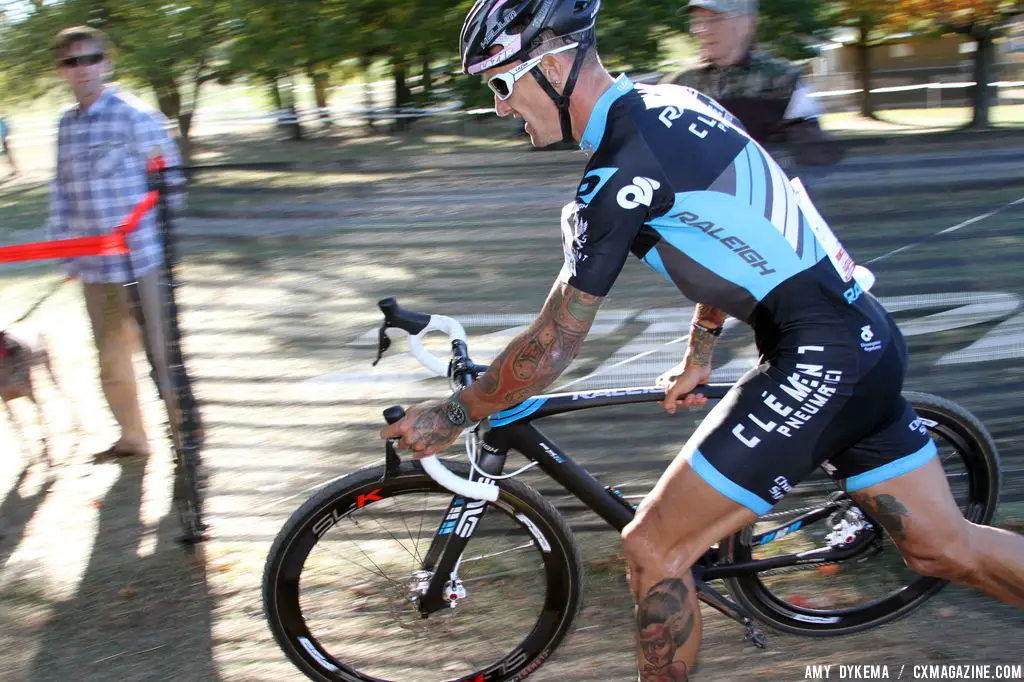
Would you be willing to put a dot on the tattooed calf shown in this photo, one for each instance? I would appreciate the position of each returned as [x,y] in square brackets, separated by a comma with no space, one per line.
[665,621]
[891,513]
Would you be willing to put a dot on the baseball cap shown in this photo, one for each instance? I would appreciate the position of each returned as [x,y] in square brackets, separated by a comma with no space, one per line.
[734,7]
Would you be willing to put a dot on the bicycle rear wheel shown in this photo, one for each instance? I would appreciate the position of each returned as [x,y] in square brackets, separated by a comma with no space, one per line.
[342,579]
[875,586]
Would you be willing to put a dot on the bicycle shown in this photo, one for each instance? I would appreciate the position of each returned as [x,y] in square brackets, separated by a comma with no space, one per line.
[336,626]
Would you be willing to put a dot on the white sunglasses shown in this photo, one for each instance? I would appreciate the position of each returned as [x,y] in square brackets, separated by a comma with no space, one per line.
[503,83]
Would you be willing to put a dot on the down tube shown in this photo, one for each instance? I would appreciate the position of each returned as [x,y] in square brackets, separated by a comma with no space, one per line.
[528,439]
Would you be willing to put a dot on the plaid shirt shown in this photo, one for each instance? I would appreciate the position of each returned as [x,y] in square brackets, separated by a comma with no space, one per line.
[101,176]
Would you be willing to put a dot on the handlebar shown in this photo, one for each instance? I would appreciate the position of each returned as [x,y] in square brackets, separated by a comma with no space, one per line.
[460,368]
[418,325]
[474,490]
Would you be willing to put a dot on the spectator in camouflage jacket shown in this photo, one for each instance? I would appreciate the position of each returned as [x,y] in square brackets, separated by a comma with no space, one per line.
[767,94]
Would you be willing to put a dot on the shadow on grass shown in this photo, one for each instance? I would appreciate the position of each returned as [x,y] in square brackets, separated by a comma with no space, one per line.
[134,618]
[16,511]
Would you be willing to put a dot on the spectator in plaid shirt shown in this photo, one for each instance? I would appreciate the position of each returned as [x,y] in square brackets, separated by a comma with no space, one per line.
[103,144]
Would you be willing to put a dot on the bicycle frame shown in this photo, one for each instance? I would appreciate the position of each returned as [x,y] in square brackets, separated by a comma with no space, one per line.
[513,429]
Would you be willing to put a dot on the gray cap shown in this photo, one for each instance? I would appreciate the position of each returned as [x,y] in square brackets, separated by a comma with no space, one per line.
[735,7]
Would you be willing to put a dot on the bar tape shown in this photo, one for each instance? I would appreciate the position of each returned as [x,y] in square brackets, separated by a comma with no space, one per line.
[113,244]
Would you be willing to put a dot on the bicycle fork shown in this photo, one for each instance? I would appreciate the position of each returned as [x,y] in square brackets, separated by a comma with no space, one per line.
[437,585]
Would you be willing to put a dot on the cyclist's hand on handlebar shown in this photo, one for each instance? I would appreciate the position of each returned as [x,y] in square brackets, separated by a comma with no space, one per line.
[683,384]
[424,430]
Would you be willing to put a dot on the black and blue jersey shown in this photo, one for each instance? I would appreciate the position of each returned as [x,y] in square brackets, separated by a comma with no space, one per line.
[674,179]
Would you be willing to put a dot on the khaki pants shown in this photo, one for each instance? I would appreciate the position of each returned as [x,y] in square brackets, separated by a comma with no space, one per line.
[116,333]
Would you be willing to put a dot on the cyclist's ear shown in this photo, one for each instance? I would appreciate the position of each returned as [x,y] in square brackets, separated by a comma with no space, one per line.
[555,70]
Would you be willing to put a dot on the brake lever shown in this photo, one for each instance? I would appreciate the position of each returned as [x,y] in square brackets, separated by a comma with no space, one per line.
[383,342]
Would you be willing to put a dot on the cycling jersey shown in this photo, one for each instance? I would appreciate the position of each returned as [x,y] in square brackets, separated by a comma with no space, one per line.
[674,179]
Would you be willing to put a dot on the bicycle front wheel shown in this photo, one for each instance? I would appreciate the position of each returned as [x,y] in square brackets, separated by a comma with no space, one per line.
[342,580]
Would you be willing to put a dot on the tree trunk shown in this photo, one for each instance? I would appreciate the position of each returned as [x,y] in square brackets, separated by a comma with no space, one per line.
[984,60]
[184,139]
[867,100]
[168,99]
[284,106]
[364,64]
[321,81]
[275,92]
[402,95]
[295,128]
[427,78]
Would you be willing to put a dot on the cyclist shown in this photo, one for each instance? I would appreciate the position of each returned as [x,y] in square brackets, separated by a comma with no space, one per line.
[674,179]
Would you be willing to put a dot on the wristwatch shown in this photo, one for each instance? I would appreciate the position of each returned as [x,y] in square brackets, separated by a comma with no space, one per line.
[716,331]
[455,412]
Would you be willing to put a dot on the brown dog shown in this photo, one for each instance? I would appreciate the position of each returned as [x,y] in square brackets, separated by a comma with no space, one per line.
[19,353]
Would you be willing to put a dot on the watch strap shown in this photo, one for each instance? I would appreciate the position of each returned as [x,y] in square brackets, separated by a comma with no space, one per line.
[455,412]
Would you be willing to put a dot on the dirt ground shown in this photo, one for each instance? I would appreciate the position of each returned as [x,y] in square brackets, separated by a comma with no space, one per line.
[281,280]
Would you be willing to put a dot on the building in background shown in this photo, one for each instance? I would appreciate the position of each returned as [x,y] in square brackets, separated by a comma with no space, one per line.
[908,60]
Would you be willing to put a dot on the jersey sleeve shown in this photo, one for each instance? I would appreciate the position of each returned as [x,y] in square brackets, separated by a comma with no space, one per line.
[600,225]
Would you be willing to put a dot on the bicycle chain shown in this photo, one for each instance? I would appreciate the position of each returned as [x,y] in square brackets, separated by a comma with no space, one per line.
[794,569]
[788,512]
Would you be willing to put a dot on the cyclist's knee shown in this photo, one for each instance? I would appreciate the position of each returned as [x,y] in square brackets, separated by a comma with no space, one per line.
[649,548]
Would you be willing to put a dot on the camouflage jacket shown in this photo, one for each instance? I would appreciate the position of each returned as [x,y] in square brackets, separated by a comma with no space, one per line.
[769,97]
[758,90]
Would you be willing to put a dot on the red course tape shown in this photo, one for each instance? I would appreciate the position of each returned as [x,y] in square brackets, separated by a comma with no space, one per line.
[112,244]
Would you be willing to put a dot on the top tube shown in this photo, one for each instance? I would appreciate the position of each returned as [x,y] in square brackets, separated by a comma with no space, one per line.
[559,403]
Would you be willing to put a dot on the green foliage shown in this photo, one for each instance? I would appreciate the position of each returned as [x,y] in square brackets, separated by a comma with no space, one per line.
[792,27]
[167,45]
[630,32]
[173,46]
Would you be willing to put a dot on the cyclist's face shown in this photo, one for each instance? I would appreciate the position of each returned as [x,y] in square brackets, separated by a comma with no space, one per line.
[724,39]
[530,103]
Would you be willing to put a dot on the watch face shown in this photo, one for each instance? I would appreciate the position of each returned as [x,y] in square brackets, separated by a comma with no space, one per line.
[455,413]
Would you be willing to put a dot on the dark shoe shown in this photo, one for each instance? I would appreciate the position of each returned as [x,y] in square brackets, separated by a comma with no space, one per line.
[118,451]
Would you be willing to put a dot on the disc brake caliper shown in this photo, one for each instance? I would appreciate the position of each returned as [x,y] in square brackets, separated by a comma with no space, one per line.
[847,525]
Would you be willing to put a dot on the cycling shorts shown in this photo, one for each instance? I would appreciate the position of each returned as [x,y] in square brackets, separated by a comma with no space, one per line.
[828,396]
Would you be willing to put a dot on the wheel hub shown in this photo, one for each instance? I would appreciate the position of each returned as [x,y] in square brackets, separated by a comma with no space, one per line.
[419,582]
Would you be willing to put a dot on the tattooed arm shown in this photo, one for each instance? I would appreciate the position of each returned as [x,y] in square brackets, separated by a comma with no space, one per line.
[695,369]
[698,354]
[538,355]
[530,363]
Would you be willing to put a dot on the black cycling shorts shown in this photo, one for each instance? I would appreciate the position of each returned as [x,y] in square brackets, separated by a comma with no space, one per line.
[829,396]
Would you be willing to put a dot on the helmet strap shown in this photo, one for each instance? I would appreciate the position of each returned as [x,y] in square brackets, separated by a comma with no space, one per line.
[562,100]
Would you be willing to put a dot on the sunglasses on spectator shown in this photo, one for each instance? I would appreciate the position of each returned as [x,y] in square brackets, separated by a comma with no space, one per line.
[81,60]
[503,83]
